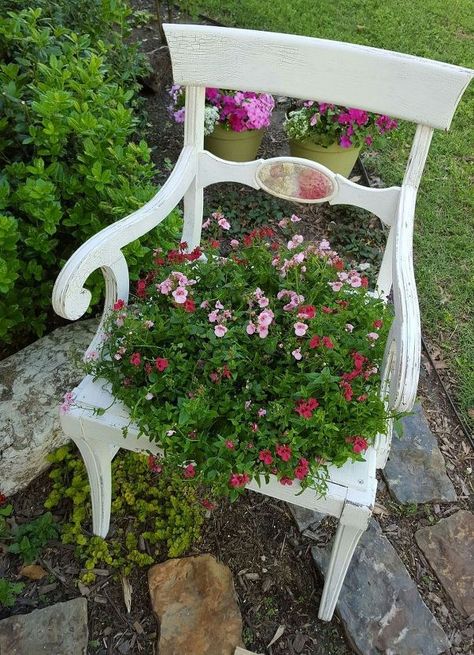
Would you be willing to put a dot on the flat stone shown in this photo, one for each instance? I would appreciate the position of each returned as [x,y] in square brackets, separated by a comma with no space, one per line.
[449,548]
[379,604]
[306,519]
[32,384]
[60,629]
[415,471]
[195,602]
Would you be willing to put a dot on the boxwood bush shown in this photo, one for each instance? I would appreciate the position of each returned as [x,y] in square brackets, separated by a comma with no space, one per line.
[71,159]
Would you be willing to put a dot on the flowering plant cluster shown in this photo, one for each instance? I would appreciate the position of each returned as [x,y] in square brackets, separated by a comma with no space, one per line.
[263,362]
[238,111]
[327,124]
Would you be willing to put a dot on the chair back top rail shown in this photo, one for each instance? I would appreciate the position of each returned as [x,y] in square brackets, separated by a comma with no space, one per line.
[419,90]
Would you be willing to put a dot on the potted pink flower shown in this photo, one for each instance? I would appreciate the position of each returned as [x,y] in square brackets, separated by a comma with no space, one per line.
[234,121]
[333,135]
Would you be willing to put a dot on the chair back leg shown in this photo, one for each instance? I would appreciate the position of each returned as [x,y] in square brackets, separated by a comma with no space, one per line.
[352,524]
[97,456]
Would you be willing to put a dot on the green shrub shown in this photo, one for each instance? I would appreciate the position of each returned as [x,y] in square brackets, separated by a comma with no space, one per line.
[9,591]
[153,514]
[29,539]
[71,166]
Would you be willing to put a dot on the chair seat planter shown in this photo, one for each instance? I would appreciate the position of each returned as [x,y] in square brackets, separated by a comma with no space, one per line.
[297,67]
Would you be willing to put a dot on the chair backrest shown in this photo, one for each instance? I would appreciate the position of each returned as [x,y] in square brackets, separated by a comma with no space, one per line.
[419,90]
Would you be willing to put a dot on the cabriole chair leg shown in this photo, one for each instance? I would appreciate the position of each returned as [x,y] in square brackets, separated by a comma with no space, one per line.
[352,525]
[97,458]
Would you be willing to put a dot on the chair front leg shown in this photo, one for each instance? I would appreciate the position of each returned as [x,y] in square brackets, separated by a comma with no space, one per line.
[97,456]
[352,524]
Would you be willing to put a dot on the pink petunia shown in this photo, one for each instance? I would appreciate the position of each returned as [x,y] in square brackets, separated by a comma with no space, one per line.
[300,329]
[220,330]
[297,354]
[180,294]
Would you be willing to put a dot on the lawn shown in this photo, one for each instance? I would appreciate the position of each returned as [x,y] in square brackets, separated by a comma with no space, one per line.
[445,224]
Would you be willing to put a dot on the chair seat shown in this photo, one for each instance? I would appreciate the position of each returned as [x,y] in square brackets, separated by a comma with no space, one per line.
[97,415]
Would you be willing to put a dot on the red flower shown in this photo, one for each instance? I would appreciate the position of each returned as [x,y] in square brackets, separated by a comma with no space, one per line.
[327,310]
[362,398]
[327,342]
[302,470]
[159,261]
[238,479]
[189,305]
[135,359]
[3,499]
[230,444]
[338,264]
[226,372]
[378,324]
[140,289]
[305,408]
[120,304]
[207,504]
[343,304]
[307,311]
[365,281]
[358,360]
[214,243]
[161,363]
[189,471]
[265,456]
[284,480]
[183,245]
[348,393]
[153,464]
[312,403]
[148,368]
[359,444]
[284,452]
[315,341]
[214,377]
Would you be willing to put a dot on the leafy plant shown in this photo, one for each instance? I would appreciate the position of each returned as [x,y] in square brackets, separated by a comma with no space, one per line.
[9,592]
[154,513]
[5,512]
[29,539]
[266,362]
[72,164]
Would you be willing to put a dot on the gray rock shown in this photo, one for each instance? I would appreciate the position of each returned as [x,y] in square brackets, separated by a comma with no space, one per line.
[379,604]
[60,629]
[448,547]
[415,471]
[305,518]
[32,384]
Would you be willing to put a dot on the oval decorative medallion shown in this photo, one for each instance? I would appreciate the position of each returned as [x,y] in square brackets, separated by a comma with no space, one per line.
[288,178]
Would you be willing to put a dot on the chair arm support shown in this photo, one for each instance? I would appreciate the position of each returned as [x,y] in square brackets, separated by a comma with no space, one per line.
[403,352]
[103,250]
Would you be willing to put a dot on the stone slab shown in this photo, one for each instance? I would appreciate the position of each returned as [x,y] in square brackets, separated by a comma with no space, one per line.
[60,629]
[306,519]
[32,384]
[449,548]
[379,605]
[195,603]
[415,471]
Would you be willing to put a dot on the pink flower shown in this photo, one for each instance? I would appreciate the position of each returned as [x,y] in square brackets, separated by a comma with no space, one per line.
[378,324]
[335,286]
[359,444]
[286,481]
[327,342]
[283,451]
[239,480]
[120,304]
[283,223]
[149,396]
[189,471]
[265,456]
[230,444]
[213,316]
[204,304]
[262,412]
[68,401]
[265,318]
[262,331]
[234,243]
[315,341]
[254,427]
[154,465]
[251,328]
[302,470]
[161,363]
[307,311]
[164,287]
[373,336]
[296,240]
[349,327]
[300,329]
[149,324]
[355,282]
[180,294]
[223,223]
[135,359]
[297,354]
[294,218]
[220,330]
[345,141]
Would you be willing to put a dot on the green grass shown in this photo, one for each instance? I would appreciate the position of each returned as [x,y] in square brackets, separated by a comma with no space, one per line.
[444,239]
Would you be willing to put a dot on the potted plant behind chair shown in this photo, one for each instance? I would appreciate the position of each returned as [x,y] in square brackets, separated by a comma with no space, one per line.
[333,135]
[234,121]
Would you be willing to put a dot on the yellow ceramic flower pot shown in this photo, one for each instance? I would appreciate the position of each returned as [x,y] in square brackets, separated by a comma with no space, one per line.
[234,146]
[337,159]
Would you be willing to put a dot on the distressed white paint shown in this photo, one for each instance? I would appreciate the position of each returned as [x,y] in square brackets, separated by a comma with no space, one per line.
[423,91]
[411,88]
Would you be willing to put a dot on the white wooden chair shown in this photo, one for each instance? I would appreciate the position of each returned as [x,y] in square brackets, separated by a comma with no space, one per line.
[422,91]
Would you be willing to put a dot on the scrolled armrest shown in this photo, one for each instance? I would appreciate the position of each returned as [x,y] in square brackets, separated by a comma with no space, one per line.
[103,250]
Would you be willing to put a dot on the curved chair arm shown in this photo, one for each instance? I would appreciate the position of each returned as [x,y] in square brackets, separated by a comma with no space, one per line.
[103,250]
[403,352]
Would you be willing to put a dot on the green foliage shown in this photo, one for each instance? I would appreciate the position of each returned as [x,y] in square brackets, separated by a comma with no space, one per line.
[9,591]
[5,512]
[153,514]
[223,400]
[29,539]
[72,164]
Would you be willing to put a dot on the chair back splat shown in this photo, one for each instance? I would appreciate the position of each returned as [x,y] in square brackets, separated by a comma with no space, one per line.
[422,91]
